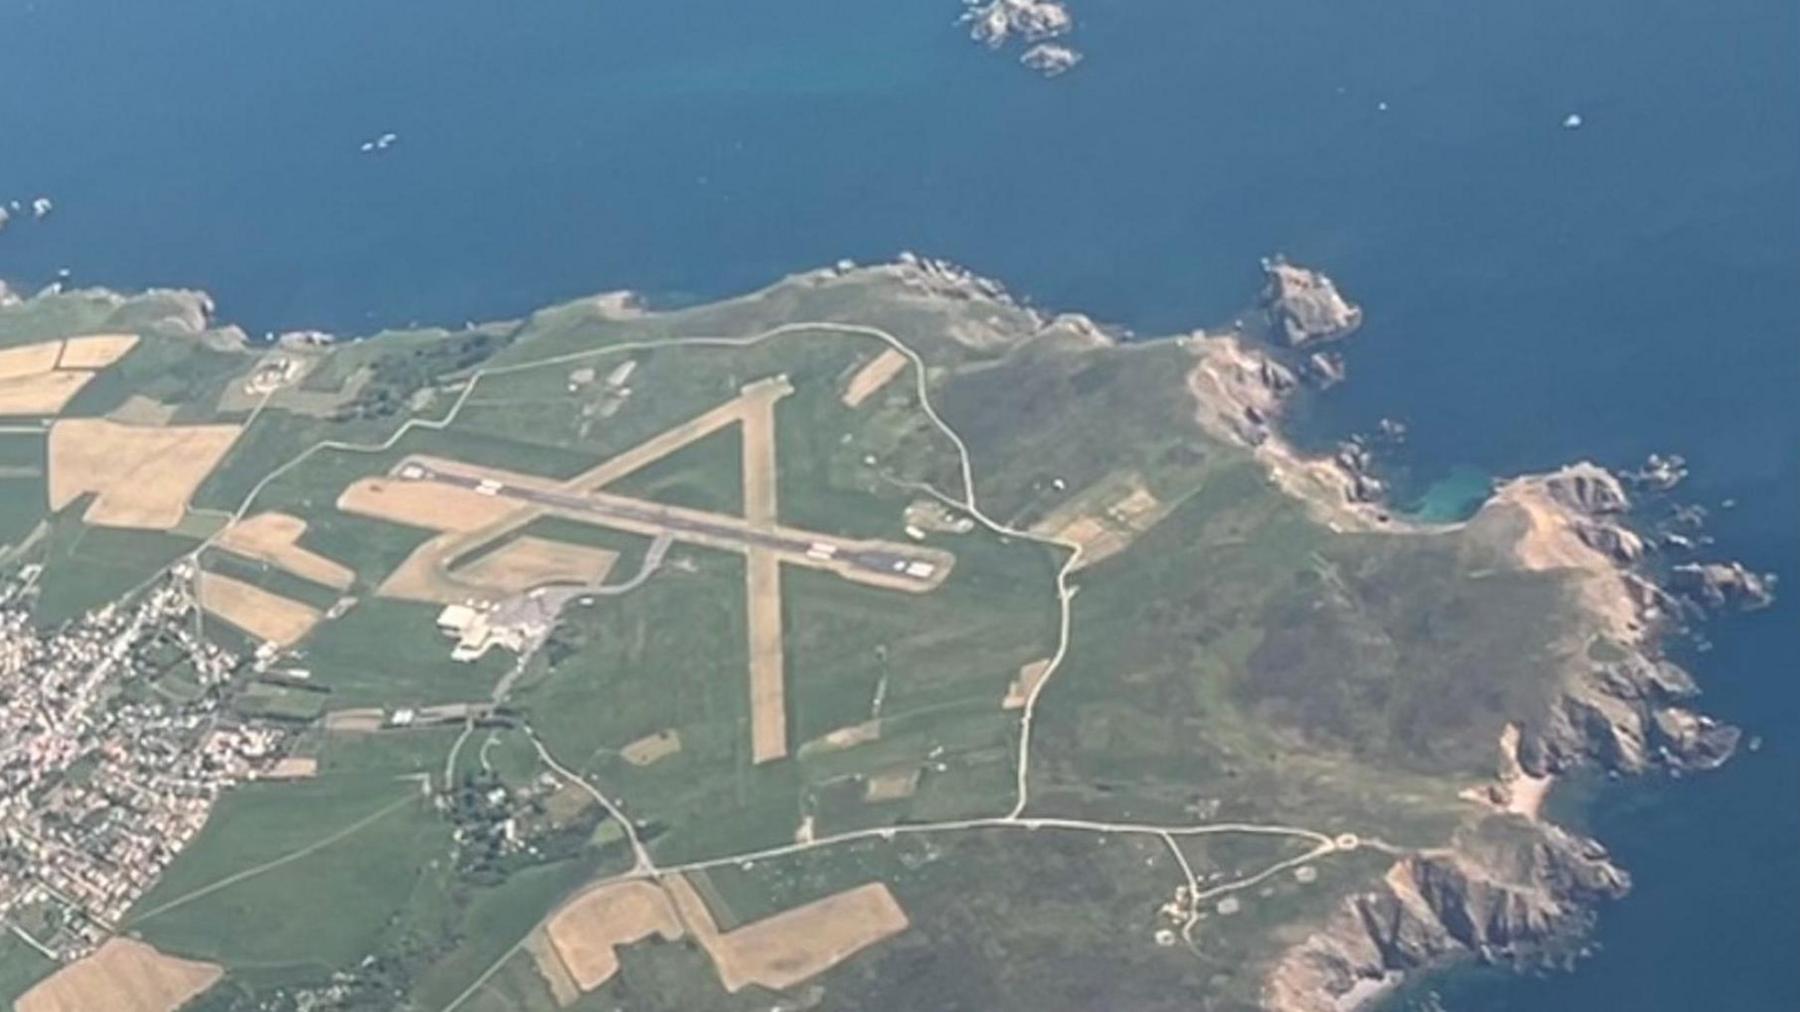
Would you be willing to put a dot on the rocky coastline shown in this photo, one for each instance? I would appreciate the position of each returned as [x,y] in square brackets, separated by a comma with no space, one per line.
[1509,888]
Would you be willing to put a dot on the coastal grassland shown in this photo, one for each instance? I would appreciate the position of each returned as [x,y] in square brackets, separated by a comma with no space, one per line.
[177,370]
[889,298]
[1048,421]
[1238,943]
[1243,661]
[86,567]
[402,371]
[390,653]
[49,316]
[936,664]
[961,642]
[820,442]
[840,468]
[23,476]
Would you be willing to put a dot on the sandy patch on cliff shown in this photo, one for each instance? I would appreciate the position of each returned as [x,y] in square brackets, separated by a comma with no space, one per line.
[143,476]
[274,538]
[1550,541]
[280,620]
[124,975]
[588,929]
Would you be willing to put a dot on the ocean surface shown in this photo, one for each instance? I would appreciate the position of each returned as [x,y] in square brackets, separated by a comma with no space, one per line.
[1535,294]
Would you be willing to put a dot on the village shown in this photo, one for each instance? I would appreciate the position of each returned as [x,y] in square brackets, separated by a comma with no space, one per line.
[105,774]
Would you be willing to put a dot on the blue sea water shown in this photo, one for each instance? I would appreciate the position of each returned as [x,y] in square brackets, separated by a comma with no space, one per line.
[1534,294]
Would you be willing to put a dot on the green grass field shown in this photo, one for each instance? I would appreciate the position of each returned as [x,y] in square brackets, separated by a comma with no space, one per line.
[390,653]
[356,884]
[87,567]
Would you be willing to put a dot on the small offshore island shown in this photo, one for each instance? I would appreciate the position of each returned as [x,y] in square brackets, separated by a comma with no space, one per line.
[870,641]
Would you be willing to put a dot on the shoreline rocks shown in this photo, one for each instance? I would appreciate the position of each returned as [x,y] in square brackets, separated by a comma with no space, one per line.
[1305,306]
[1510,889]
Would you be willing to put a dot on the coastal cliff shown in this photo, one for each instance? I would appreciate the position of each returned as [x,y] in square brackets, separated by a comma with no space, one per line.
[1507,888]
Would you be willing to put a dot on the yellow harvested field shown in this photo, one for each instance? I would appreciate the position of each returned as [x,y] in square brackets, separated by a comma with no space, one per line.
[872,377]
[795,945]
[273,538]
[267,616]
[96,351]
[1025,683]
[143,476]
[528,562]
[652,747]
[587,930]
[563,989]
[124,975]
[434,505]
[41,393]
[29,359]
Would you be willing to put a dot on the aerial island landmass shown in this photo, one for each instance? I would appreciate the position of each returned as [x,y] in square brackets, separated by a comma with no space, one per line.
[875,628]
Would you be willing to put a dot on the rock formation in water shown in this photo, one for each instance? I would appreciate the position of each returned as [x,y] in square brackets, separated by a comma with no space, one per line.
[1050,59]
[1719,584]
[1305,306]
[994,23]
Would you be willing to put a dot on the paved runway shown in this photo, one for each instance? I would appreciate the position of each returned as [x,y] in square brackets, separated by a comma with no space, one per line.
[917,566]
